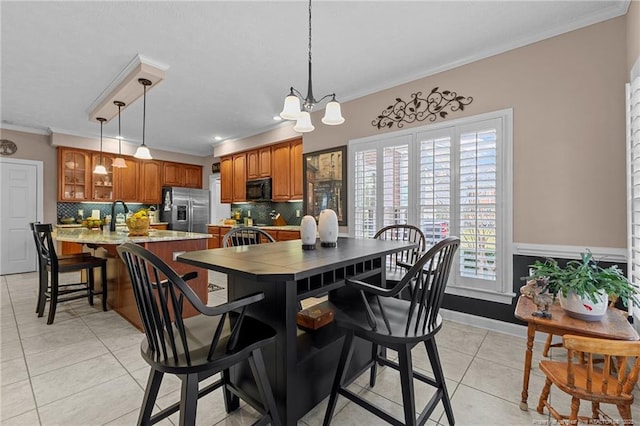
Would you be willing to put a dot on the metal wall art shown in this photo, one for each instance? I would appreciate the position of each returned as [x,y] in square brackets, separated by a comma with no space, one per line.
[420,109]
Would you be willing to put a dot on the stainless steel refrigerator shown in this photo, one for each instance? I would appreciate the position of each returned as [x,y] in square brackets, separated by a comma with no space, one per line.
[185,209]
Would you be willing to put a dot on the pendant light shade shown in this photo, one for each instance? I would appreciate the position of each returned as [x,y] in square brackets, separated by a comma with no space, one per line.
[303,125]
[119,161]
[100,169]
[143,152]
[333,114]
[291,110]
[292,102]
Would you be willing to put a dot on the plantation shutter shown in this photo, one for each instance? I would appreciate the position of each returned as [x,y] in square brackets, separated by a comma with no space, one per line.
[477,212]
[365,202]
[633,180]
[395,186]
[435,184]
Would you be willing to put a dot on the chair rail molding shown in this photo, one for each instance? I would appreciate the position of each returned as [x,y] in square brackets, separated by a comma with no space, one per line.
[606,254]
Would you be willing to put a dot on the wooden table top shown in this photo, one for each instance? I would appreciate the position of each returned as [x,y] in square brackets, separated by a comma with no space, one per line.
[613,325]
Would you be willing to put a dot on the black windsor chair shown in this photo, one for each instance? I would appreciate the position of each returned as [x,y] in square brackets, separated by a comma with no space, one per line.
[198,347]
[246,236]
[387,321]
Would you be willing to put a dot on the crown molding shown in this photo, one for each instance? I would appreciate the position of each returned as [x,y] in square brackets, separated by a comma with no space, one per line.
[26,129]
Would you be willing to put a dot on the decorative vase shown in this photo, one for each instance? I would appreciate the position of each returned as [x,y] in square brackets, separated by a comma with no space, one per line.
[138,226]
[308,232]
[328,228]
[584,308]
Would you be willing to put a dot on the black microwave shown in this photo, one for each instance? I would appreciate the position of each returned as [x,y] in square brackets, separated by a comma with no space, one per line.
[259,190]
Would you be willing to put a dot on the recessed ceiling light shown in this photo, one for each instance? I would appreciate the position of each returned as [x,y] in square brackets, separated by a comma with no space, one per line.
[218,138]
[277,118]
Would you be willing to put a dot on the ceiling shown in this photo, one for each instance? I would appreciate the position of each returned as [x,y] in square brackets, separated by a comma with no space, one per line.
[231,63]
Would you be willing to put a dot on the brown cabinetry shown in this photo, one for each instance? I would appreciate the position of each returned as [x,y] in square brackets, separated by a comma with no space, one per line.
[287,171]
[172,174]
[226,179]
[158,226]
[178,174]
[102,185]
[287,235]
[239,177]
[74,175]
[127,182]
[280,165]
[150,178]
[192,176]
[296,170]
[214,241]
[259,163]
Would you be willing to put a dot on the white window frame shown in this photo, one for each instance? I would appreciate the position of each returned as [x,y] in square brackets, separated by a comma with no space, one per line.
[632,91]
[500,290]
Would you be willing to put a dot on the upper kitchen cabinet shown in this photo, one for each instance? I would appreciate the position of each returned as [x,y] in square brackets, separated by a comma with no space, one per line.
[177,174]
[226,179]
[150,191]
[172,174]
[297,192]
[287,171]
[281,166]
[127,181]
[239,177]
[259,163]
[74,175]
[192,176]
[102,185]
[233,178]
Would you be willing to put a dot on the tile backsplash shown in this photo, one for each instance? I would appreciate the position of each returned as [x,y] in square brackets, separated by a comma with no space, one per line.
[71,209]
[260,212]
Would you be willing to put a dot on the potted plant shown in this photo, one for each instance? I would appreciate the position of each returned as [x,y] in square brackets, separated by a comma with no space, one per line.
[583,287]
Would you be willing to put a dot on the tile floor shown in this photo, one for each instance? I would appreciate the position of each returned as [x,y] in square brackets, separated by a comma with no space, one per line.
[86,369]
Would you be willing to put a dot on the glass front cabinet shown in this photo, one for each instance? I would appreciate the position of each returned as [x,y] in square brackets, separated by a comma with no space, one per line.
[75,175]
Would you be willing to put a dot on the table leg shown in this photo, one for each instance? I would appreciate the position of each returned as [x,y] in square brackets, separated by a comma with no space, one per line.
[528,356]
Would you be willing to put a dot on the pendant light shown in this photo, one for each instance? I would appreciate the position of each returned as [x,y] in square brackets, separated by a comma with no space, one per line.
[143,152]
[292,110]
[100,169]
[119,161]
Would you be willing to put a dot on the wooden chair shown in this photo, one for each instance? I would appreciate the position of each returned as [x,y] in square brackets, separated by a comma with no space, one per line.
[585,381]
[409,233]
[52,265]
[398,324]
[245,236]
[198,347]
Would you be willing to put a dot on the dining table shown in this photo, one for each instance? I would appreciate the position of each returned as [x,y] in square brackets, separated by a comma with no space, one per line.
[302,363]
[613,325]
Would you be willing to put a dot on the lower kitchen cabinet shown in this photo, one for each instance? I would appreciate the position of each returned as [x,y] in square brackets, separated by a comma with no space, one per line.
[287,235]
[159,226]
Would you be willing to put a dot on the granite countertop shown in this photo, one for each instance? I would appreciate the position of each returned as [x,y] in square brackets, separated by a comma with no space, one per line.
[87,236]
[266,227]
[77,225]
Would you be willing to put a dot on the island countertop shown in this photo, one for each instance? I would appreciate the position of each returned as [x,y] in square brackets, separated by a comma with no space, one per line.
[87,236]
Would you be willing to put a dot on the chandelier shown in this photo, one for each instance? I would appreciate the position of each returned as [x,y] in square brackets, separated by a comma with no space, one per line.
[292,110]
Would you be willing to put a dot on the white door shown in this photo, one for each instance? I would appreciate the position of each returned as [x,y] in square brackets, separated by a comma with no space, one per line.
[21,203]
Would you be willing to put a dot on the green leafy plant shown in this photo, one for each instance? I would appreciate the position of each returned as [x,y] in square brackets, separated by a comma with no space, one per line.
[584,277]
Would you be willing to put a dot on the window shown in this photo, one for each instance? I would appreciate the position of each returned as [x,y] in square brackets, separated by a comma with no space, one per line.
[633,182]
[452,178]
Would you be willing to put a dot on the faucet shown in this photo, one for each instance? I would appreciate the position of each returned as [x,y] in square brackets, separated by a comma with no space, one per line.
[112,225]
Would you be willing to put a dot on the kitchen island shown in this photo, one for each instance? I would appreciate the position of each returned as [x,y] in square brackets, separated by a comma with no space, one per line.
[165,244]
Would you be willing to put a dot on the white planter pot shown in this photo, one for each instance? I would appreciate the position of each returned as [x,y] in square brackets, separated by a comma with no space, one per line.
[584,309]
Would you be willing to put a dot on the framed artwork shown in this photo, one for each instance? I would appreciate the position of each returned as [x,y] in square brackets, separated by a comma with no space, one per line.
[325,185]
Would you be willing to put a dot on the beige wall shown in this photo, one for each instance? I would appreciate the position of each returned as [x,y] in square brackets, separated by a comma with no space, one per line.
[567,95]
[38,148]
[633,33]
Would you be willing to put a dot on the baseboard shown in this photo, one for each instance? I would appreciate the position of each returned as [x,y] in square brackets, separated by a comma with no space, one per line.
[490,324]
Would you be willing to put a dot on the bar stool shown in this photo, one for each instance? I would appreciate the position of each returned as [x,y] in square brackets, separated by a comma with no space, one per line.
[53,265]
